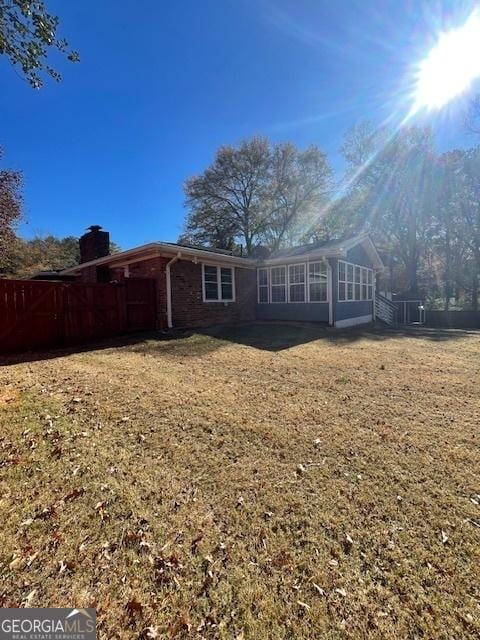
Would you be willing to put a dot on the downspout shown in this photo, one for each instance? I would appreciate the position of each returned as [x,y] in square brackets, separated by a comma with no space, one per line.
[169,288]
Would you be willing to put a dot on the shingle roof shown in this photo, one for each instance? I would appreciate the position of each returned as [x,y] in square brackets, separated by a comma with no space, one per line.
[302,249]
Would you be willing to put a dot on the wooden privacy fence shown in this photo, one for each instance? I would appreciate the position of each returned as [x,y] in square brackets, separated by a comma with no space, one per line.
[36,314]
[453,319]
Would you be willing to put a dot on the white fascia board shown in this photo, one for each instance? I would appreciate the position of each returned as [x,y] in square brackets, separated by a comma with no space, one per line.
[305,257]
[154,249]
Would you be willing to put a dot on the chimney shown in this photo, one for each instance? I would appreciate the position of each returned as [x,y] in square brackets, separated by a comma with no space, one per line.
[94,244]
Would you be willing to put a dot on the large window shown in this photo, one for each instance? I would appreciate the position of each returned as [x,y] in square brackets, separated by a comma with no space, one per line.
[318,282]
[354,282]
[218,284]
[294,283]
[278,279]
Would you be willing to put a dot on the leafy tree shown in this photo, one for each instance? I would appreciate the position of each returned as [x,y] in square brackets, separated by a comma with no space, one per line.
[256,193]
[390,190]
[27,33]
[44,253]
[10,210]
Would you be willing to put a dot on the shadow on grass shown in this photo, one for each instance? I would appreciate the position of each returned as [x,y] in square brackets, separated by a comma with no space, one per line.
[267,336]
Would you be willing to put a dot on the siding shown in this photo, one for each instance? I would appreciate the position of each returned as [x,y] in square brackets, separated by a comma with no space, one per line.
[358,255]
[353,309]
[308,312]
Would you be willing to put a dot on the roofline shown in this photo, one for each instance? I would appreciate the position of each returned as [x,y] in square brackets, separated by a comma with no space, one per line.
[303,257]
[337,252]
[154,249]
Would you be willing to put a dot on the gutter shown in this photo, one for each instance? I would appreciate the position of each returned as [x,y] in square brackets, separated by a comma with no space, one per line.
[169,288]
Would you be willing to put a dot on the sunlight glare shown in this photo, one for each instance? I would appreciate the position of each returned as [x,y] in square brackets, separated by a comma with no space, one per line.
[450,67]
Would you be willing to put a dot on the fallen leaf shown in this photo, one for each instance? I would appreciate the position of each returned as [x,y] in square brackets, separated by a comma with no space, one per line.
[16,563]
[75,493]
[133,607]
[318,589]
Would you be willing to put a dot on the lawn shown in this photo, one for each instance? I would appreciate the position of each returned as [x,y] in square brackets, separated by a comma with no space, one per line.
[264,482]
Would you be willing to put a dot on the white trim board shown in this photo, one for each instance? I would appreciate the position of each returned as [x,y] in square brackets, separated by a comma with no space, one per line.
[351,322]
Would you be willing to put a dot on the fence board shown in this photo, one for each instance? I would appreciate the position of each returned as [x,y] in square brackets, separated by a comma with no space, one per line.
[36,314]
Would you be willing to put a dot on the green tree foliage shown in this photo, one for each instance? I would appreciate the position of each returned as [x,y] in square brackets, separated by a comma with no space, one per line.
[44,253]
[27,34]
[10,210]
[256,193]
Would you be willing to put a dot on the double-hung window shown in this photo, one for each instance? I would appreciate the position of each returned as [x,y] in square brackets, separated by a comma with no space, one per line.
[278,277]
[296,283]
[317,282]
[218,284]
[263,285]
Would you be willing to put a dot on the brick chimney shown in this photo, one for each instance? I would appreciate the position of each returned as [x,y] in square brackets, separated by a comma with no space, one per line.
[94,244]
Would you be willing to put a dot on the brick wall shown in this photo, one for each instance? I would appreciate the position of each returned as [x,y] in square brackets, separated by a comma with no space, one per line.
[188,308]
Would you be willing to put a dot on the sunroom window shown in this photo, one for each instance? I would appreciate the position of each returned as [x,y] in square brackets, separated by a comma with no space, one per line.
[279,284]
[263,285]
[317,281]
[354,282]
[296,282]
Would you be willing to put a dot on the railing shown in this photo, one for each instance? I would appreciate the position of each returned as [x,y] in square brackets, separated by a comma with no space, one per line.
[385,309]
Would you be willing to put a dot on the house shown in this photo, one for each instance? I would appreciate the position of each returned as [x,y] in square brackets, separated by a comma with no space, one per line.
[327,282]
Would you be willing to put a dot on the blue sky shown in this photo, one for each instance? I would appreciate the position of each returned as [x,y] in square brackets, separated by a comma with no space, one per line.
[162,84]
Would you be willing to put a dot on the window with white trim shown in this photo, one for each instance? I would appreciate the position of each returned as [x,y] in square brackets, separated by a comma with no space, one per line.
[296,283]
[278,286]
[293,283]
[218,283]
[317,282]
[354,282]
[263,285]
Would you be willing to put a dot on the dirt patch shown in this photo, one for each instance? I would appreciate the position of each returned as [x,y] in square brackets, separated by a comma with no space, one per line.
[249,484]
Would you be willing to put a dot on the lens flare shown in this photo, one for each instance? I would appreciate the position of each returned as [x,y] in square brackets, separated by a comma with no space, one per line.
[450,67]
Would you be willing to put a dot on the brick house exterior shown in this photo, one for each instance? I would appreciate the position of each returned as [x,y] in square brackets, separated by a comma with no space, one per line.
[331,282]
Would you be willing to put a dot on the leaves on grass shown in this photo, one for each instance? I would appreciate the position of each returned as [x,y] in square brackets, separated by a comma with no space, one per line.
[134,607]
[75,493]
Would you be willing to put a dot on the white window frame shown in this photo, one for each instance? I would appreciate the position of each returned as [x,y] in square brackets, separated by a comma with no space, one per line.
[219,283]
[363,274]
[326,277]
[284,267]
[306,283]
[289,266]
[263,286]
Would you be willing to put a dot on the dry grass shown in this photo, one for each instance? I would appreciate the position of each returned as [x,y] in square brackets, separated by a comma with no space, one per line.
[206,487]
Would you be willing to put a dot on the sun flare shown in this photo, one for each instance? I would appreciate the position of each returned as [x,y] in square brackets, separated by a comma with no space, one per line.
[450,67]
